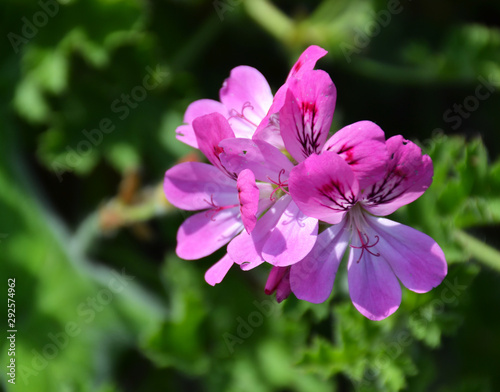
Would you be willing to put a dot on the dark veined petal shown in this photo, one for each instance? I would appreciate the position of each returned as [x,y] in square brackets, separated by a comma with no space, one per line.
[324,187]
[362,145]
[307,113]
[269,128]
[409,174]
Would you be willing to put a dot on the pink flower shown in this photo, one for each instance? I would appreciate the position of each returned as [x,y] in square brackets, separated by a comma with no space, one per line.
[348,194]
[231,201]
[223,197]
[247,102]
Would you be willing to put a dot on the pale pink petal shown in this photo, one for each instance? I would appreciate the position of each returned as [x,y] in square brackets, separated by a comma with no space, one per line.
[416,259]
[246,249]
[248,195]
[373,287]
[279,282]
[306,116]
[362,145]
[291,239]
[311,279]
[203,233]
[199,186]
[264,160]
[210,130]
[247,96]
[409,174]
[218,271]
[307,61]
[185,133]
[324,187]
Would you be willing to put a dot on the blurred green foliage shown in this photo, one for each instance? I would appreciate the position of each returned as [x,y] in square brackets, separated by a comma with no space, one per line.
[91,92]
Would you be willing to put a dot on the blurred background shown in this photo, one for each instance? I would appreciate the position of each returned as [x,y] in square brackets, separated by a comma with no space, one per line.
[91,93]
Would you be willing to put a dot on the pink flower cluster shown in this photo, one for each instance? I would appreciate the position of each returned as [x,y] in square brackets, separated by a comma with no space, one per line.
[274,176]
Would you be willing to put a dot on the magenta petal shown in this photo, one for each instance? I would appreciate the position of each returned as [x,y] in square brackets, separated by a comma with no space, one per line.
[264,160]
[291,239]
[246,249]
[218,271]
[247,95]
[324,187]
[416,259]
[269,129]
[307,113]
[185,133]
[199,186]
[312,278]
[248,194]
[279,282]
[373,287]
[210,130]
[362,145]
[409,174]
[307,61]
[203,233]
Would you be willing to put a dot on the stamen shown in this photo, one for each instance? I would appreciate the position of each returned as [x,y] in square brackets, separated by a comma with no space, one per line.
[281,185]
[235,113]
[363,237]
[215,208]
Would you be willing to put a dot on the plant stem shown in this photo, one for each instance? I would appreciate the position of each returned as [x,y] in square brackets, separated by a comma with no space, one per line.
[482,252]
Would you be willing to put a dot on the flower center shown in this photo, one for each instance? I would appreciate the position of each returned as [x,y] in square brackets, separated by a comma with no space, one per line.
[280,185]
[235,113]
[210,213]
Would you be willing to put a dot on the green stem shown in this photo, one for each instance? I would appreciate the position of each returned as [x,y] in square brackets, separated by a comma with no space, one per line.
[271,19]
[479,250]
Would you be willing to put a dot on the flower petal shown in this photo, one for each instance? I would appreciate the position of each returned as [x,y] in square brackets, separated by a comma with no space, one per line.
[362,145]
[185,133]
[291,239]
[409,174]
[416,259]
[210,130]
[264,160]
[218,271]
[269,129]
[307,113]
[307,61]
[373,287]
[312,278]
[247,96]
[203,233]
[248,194]
[279,282]
[246,249]
[198,186]
[324,187]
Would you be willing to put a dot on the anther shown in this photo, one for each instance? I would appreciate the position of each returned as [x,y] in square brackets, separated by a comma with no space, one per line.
[281,185]
[363,237]
[235,113]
